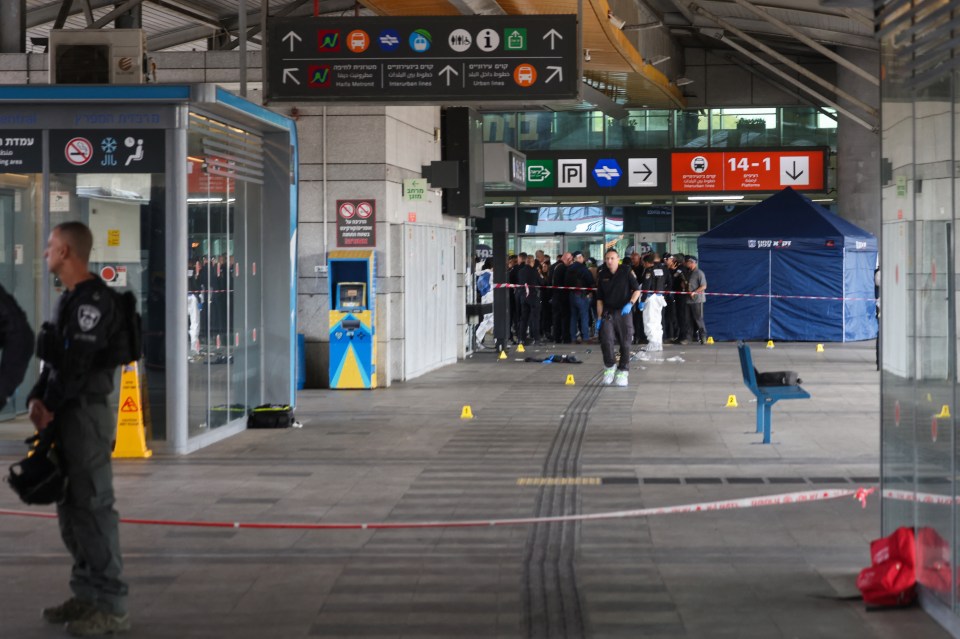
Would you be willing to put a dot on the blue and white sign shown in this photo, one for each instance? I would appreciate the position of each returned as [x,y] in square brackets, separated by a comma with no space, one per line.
[607,172]
[389,40]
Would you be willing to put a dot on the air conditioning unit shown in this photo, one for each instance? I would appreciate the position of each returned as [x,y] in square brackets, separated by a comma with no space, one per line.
[97,56]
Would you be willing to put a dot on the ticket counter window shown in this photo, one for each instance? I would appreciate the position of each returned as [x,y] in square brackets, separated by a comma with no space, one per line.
[126,214]
[20,228]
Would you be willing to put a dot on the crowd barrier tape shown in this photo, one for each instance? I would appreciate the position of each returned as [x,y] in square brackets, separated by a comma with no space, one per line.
[763,295]
[860,494]
[920,498]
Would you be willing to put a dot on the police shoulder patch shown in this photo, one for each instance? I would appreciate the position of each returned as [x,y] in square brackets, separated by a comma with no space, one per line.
[88,316]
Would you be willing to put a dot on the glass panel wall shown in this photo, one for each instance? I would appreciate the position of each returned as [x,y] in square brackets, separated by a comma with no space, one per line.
[224,217]
[919,443]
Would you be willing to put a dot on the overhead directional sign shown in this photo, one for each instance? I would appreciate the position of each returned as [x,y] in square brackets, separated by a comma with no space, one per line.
[738,171]
[422,59]
[643,172]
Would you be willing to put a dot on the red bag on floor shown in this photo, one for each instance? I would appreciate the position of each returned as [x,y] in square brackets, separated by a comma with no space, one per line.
[892,579]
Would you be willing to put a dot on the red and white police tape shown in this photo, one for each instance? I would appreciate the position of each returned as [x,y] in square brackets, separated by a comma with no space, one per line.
[763,295]
[860,494]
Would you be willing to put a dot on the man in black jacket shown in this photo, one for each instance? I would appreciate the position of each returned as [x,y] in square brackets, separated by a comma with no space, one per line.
[617,292]
[71,396]
[560,300]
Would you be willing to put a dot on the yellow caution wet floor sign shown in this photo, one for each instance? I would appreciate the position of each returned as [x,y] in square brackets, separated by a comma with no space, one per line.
[131,432]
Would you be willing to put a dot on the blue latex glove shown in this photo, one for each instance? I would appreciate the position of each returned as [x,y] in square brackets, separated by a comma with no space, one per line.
[597,326]
[626,308]
[640,305]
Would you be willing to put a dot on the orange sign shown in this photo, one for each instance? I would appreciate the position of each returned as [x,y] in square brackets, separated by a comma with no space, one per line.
[525,74]
[129,406]
[736,171]
[358,41]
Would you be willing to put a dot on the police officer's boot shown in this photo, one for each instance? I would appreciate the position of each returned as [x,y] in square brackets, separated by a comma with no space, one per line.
[70,610]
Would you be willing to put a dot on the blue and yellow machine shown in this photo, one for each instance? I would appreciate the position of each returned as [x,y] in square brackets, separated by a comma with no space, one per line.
[353,339]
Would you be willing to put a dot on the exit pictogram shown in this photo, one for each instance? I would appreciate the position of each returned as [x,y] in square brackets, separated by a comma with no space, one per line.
[515,39]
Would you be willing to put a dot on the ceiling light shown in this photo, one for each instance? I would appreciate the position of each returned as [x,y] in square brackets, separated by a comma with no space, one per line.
[682,82]
[658,59]
[714,197]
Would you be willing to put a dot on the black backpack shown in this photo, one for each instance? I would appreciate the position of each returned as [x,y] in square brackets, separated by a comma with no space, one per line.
[126,341]
[778,378]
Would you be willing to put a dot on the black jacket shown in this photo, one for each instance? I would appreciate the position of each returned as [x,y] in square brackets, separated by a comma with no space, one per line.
[16,339]
[73,349]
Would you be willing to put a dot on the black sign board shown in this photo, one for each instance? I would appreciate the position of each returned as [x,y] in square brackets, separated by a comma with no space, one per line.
[598,172]
[423,59]
[107,151]
[21,151]
[356,223]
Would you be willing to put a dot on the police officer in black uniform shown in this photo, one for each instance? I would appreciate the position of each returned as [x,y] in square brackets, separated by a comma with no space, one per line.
[71,397]
[617,292]
[528,300]
[16,340]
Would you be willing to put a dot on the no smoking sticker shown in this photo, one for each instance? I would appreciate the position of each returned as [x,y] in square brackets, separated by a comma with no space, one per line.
[78,151]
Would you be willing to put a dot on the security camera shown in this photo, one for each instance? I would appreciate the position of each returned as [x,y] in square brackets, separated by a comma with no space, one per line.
[615,21]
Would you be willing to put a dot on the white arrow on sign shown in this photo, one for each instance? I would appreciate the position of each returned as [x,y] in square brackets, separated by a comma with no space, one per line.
[553,34]
[557,71]
[291,36]
[288,73]
[448,71]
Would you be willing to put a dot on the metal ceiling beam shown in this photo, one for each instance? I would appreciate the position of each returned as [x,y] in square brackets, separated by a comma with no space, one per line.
[867,125]
[813,44]
[478,7]
[780,86]
[53,13]
[197,15]
[254,18]
[810,75]
[87,12]
[119,11]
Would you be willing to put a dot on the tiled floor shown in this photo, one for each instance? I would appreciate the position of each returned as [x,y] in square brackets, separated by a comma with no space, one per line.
[404,455]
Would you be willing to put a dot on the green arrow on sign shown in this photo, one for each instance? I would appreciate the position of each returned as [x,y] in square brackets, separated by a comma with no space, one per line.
[540,174]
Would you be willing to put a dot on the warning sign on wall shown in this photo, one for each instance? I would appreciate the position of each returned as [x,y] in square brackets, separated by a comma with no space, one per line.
[356,223]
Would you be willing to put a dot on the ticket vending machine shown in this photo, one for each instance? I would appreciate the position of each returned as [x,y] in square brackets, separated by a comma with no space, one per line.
[353,340]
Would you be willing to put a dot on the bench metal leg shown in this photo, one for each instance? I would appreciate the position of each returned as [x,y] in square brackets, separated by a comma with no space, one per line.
[760,415]
[766,422]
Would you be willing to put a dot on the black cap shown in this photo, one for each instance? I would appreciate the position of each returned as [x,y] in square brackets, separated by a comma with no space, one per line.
[692,258]
[577,254]
[667,256]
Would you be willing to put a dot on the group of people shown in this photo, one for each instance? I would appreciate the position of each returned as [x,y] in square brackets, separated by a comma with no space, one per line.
[561,302]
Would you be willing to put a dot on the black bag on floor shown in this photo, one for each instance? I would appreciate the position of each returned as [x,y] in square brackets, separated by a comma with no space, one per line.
[271,416]
[778,378]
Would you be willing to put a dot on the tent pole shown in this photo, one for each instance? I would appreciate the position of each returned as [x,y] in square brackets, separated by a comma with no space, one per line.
[769,294]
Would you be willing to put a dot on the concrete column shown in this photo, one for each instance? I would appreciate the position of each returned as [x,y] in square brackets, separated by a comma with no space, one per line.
[370,151]
[858,150]
[13,26]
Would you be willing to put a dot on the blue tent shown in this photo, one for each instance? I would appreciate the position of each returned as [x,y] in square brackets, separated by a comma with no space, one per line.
[775,260]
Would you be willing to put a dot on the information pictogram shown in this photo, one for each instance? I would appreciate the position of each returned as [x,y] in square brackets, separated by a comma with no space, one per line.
[78,151]
[488,40]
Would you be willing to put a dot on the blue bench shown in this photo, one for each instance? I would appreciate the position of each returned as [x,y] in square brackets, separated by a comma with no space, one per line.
[767,396]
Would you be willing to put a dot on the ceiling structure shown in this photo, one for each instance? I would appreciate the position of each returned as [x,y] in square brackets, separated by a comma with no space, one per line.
[633,50]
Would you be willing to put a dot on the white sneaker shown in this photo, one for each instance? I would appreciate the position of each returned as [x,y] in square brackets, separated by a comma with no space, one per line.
[621,378]
[607,376]
[654,347]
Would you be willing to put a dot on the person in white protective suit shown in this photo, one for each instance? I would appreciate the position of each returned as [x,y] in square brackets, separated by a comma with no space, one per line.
[654,281]
[485,289]
[193,315]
